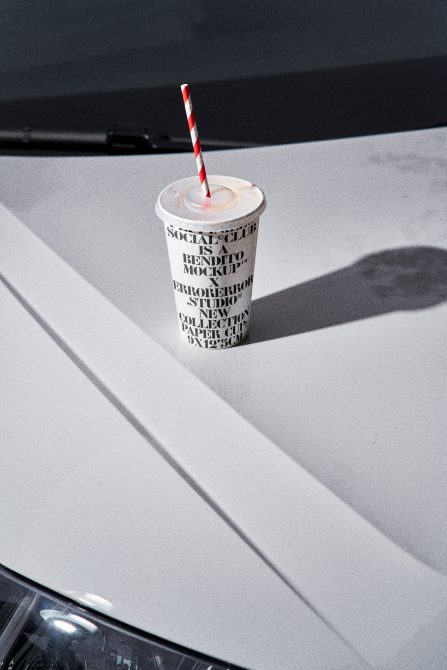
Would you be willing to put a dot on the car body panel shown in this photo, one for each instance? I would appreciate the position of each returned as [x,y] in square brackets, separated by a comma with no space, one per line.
[356,403]
[92,511]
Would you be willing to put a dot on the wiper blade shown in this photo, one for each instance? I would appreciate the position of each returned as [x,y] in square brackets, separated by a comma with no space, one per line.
[121,139]
[116,140]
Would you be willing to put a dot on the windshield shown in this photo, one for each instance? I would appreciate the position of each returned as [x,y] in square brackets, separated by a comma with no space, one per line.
[261,72]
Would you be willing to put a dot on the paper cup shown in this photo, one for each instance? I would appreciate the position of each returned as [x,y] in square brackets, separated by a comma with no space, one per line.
[212,249]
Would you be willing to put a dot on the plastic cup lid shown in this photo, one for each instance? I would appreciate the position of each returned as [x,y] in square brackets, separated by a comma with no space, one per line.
[232,201]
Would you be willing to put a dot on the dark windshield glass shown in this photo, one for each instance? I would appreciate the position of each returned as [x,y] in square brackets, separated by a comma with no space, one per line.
[283,71]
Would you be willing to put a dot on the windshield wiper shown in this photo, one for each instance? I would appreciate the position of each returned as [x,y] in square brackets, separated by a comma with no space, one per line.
[121,139]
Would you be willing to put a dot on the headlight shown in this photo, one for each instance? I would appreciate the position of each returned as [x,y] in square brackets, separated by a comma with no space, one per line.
[41,632]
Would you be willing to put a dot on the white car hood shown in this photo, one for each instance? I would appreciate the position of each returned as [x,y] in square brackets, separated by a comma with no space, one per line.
[354,401]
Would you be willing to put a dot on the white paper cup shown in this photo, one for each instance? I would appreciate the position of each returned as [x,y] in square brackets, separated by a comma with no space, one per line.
[212,249]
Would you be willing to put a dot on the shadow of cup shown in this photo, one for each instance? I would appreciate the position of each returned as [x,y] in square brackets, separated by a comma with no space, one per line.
[408,278]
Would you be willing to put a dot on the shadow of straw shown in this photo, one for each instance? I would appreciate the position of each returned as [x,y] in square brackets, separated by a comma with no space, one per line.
[408,278]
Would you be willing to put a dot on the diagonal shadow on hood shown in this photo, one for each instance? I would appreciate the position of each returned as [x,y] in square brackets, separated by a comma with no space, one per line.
[408,278]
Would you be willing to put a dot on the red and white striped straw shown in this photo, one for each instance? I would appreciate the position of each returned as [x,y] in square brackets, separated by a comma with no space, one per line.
[195,140]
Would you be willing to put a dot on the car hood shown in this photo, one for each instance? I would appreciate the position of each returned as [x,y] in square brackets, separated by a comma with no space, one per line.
[281,498]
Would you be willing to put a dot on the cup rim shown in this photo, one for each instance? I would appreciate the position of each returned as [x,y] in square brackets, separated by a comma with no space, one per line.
[223,224]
